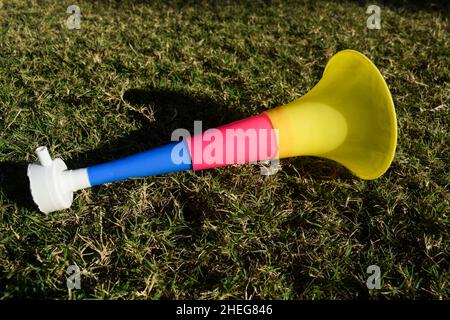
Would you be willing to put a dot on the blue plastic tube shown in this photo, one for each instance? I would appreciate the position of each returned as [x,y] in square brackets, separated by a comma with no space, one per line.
[156,161]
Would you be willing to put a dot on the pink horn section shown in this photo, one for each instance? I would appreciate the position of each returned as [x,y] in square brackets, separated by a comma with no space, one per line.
[248,140]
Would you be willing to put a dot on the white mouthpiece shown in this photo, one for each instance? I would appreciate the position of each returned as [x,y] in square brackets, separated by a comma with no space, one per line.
[51,184]
[44,156]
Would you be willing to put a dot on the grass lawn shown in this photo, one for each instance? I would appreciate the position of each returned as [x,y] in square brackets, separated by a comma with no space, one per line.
[135,71]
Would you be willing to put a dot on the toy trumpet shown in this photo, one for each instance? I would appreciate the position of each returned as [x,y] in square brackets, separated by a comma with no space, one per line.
[348,117]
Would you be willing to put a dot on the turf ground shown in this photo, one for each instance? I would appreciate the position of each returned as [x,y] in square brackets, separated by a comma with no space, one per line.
[135,71]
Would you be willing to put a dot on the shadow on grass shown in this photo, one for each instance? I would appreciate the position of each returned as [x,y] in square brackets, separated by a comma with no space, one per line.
[14,183]
[441,6]
[317,168]
[170,110]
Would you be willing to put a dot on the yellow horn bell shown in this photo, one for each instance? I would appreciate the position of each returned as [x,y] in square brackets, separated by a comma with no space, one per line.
[348,117]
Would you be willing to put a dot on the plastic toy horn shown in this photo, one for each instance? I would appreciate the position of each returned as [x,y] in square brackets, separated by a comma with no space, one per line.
[348,117]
